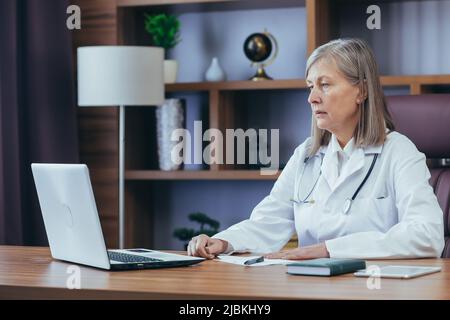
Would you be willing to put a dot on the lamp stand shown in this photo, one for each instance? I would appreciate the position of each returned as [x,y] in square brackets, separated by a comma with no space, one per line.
[122,177]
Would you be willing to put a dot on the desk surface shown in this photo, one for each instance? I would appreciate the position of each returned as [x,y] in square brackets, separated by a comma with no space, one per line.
[30,272]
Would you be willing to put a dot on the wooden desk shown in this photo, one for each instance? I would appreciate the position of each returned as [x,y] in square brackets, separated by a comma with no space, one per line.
[29,272]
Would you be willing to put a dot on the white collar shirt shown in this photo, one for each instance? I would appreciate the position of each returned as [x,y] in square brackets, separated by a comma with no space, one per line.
[339,158]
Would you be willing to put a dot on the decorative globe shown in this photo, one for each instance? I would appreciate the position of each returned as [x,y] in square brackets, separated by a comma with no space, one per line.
[258,47]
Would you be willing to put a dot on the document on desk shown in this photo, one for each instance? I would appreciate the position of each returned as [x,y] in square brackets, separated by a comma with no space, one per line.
[243,261]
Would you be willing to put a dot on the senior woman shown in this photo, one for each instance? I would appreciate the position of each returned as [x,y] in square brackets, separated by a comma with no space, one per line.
[355,188]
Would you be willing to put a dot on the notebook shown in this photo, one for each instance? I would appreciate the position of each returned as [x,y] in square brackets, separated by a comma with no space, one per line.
[325,266]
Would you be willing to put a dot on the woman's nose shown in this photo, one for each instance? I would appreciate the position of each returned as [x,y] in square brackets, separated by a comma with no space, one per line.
[313,97]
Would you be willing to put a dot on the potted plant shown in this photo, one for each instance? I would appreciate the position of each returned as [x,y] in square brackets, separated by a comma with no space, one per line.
[165,32]
[186,234]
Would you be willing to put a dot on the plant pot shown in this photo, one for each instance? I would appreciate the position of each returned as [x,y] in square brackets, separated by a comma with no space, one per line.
[170,71]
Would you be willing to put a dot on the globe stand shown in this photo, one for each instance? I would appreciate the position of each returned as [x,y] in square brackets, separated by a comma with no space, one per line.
[260,74]
[258,49]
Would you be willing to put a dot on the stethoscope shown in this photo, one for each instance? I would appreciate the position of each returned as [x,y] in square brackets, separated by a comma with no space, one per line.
[348,201]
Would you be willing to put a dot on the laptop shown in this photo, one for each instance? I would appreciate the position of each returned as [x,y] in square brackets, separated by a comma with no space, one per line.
[73,226]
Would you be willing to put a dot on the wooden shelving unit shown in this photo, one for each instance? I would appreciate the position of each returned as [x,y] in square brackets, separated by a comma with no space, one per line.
[237,85]
[109,22]
[412,81]
[418,84]
[139,175]
[239,4]
[137,3]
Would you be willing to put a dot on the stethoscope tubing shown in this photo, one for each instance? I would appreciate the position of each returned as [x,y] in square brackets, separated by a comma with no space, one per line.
[348,201]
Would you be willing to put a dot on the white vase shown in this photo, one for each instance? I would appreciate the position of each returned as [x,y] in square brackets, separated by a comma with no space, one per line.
[170,71]
[215,72]
[169,117]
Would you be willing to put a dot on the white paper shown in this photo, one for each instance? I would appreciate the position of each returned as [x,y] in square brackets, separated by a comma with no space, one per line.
[241,261]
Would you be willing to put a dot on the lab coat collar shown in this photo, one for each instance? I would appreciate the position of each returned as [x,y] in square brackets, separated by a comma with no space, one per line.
[367,150]
[373,149]
[336,147]
[355,163]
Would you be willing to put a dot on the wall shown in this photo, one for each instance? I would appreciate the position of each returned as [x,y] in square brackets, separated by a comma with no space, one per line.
[223,33]
[413,39]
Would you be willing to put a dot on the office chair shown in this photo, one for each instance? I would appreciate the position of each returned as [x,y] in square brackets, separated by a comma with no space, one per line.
[425,119]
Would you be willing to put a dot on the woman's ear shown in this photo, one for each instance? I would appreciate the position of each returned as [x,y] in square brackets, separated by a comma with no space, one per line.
[362,95]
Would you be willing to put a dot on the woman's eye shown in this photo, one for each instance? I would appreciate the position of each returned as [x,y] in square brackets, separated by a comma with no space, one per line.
[325,85]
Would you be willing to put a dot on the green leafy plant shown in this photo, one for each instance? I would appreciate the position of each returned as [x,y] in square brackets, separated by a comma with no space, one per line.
[185,234]
[164,29]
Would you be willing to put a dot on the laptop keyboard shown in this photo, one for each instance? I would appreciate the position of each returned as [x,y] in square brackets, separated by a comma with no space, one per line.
[129,258]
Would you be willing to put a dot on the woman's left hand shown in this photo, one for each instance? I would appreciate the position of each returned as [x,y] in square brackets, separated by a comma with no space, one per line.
[302,253]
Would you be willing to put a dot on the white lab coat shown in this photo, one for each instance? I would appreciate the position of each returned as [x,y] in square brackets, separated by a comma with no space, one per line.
[395,214]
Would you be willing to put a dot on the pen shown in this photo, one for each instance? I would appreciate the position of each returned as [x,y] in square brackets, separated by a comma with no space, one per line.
[254,260]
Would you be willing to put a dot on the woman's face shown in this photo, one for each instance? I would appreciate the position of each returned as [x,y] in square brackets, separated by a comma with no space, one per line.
[333,99]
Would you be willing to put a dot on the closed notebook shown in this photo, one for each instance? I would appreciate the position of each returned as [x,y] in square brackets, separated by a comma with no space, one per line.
[325,266]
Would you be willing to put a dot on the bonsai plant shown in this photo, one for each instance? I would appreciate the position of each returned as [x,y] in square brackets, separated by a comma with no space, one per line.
[186,234]
[165,32]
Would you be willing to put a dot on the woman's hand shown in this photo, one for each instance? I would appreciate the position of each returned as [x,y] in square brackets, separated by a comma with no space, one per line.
[206,247]
[302,253]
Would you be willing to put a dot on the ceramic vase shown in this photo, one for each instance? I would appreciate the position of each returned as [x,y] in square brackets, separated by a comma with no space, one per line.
[215,71]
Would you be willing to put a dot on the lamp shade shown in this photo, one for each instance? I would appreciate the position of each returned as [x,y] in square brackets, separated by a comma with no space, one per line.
[120,75]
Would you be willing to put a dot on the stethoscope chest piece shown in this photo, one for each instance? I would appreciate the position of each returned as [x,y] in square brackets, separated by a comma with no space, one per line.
[347,206]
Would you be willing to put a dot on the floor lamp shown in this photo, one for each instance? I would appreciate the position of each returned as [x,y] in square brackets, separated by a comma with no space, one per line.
[120,76]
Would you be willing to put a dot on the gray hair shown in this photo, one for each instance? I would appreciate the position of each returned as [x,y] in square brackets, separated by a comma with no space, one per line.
[356,61]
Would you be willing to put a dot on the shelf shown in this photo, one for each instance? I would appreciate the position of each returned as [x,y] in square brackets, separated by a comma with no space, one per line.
[292,84]
[131,175]
[137,3]
[236,3]
[415,79]
[237,85]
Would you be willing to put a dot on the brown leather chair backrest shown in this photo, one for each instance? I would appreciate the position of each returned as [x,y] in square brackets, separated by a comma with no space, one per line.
[425,119]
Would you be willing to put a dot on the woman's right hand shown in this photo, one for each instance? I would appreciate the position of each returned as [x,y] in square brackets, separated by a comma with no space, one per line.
[206,247]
